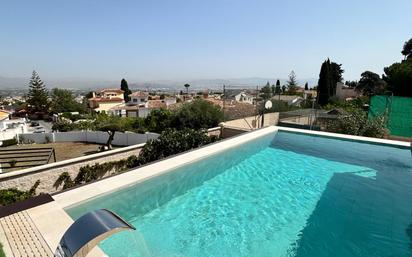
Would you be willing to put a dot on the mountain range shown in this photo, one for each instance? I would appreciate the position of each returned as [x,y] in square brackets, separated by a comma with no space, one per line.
[198,84]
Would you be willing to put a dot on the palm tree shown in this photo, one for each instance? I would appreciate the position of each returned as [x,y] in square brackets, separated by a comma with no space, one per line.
[187,88]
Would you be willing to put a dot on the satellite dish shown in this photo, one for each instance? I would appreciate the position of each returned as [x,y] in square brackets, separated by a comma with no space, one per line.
[268,105]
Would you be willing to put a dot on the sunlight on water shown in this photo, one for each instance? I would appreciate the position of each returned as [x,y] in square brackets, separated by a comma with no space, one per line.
[292,195]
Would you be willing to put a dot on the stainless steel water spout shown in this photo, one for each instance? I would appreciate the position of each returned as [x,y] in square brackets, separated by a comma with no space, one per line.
[88,230]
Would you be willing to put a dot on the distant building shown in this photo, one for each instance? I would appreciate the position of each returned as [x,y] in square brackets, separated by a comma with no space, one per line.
[4,116]
[169,101]
[237,95]
[142,108]
[344,92]
[106,100]
[292,100]
[138,98]
[310,94]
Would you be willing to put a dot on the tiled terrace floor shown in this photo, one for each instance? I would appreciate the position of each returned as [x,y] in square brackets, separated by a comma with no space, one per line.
[23,237]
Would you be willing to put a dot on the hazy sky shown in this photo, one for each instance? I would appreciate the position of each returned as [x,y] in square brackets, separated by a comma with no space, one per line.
[190,39]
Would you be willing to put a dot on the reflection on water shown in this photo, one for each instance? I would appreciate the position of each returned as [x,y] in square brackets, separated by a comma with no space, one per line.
[299,196]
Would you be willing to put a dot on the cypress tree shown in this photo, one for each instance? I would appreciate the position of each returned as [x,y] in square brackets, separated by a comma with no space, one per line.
[37,97]
[330,75]
[306,86]
[125,87]
[278,90]
[323,88]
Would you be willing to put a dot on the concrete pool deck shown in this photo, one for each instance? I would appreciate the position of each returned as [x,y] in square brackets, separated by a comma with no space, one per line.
[51,221]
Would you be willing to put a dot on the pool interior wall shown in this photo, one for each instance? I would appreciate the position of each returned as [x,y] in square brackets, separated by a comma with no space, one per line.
[293,194]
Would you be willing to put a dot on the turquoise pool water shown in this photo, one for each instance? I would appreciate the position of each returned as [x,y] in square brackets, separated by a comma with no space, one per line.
[284,194]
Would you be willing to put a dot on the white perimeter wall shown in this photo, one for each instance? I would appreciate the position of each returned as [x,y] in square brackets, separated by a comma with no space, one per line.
[98,137]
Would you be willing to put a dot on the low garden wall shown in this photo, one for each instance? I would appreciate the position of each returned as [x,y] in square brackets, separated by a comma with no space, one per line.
[98,137]
[232,131]
[217,131]
[48,174]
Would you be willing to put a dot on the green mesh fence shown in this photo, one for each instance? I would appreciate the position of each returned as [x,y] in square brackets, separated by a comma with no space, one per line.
[398,111]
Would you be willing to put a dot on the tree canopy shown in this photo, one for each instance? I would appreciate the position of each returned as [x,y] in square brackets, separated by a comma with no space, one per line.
[371,84]
[112,124]
[62,100]
[266,91]
[399,78]
[158,120]
[407,49]
[37,97]
[197,115]
[187,88]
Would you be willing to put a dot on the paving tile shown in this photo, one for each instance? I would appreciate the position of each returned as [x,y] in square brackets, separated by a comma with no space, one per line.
[23,237]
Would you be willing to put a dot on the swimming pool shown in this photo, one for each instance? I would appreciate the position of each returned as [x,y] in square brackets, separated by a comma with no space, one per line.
[283,194]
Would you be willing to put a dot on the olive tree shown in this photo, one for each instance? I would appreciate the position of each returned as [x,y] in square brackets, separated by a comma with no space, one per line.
[112,124]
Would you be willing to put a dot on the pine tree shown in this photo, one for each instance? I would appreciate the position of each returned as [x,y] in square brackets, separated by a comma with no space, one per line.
[292,83]
[125,87]
[187,88]
[37,97]
[266,91]
[306,86]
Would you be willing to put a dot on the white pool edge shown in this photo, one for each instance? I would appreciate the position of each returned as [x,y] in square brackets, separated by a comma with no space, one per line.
[349,137]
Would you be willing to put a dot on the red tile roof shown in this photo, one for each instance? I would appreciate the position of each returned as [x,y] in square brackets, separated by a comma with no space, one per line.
[154,104]
[112,90]
[140,94]
[106,99]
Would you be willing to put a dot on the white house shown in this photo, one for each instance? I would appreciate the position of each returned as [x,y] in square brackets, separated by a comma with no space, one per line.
[106,100]
[138,98]
[239,96]
[169,100]
[292,100]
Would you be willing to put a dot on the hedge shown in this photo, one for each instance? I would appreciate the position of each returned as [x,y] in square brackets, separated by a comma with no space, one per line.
[170,142]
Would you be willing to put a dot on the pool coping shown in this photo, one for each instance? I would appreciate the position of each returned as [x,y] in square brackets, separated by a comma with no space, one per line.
[359,139]
[52,220]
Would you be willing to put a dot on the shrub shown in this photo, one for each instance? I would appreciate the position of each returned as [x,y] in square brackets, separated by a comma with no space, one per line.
[172,142]
[63,126]
[199,114]
[158,120]
[12,195]
[64,179]
[91,173]
[358,124]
